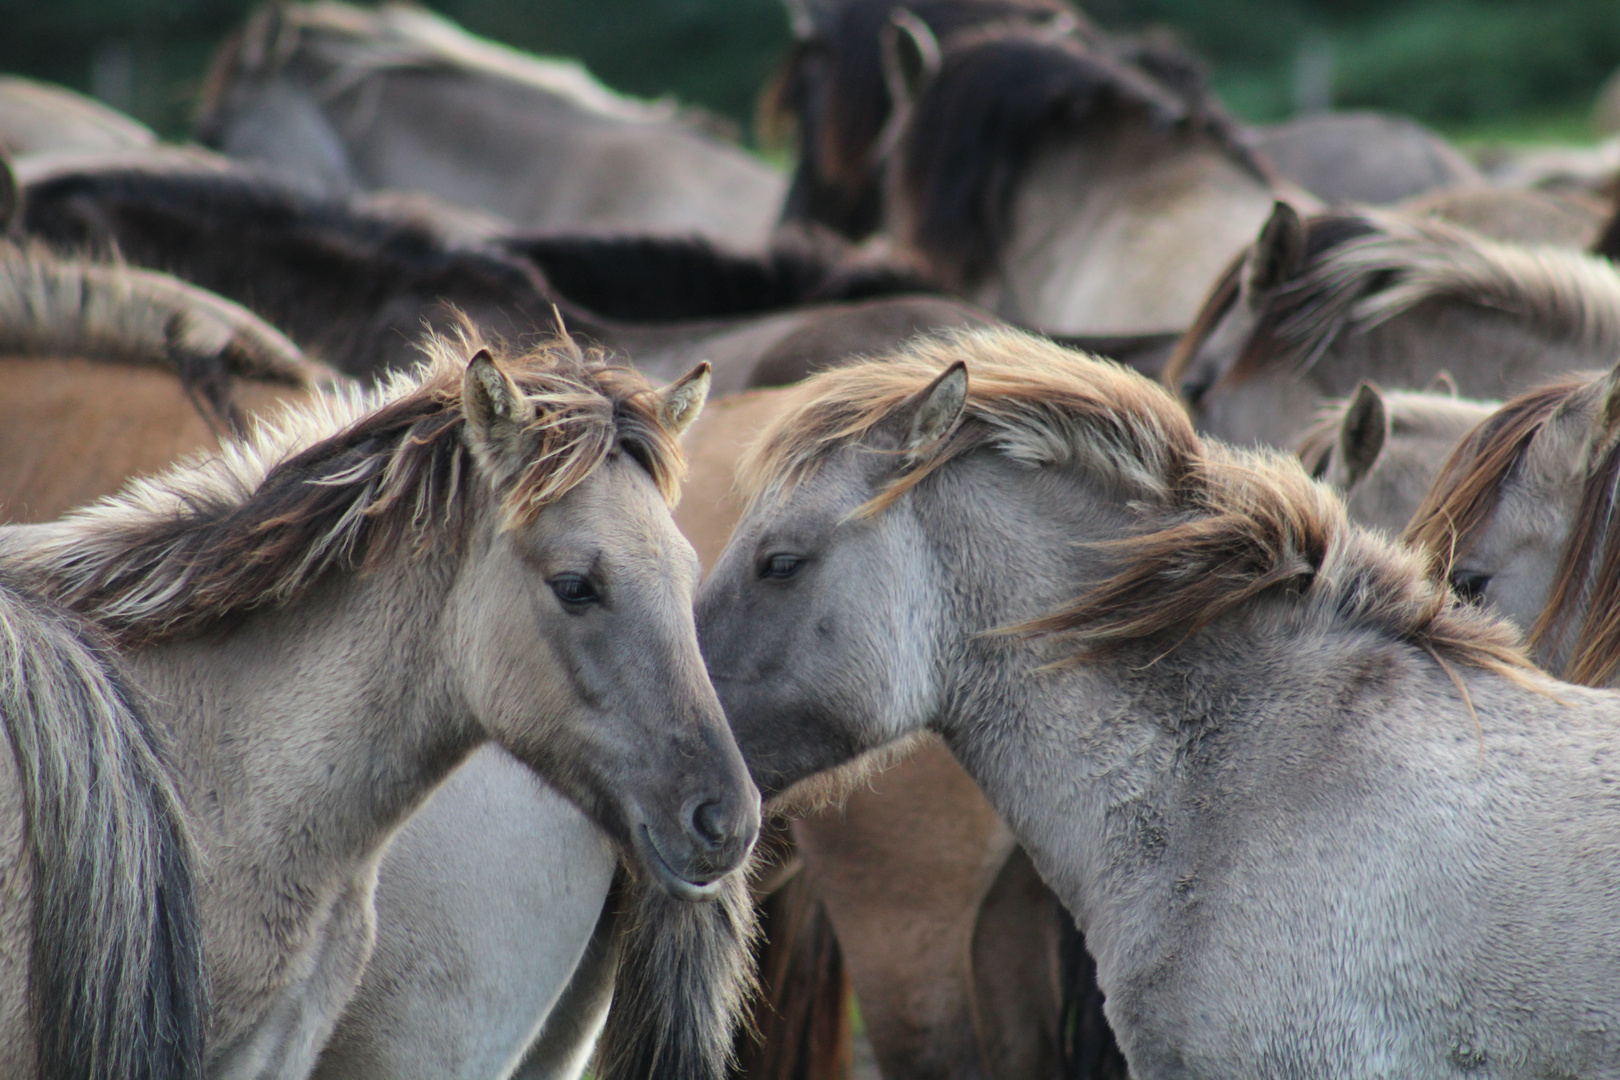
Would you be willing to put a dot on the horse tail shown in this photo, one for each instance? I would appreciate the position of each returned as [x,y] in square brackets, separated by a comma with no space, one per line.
[116,975]
[1088,1046]
[683,984]
[802,1027]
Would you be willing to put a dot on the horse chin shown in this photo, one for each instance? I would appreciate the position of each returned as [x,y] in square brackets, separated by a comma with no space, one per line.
[677,886]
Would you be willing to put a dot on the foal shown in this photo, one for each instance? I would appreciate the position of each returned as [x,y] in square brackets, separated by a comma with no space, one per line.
[331,616]
[1315,817]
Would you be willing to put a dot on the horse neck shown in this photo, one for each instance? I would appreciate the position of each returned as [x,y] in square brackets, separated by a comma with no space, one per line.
[304,736]
[1119,230]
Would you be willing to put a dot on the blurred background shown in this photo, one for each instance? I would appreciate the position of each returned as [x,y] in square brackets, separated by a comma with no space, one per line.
[1480,71]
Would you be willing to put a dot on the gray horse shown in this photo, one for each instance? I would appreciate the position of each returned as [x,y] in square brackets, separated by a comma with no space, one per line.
[396,97]
[1315,817]
[1382,449]
[1317,305]
[512,524]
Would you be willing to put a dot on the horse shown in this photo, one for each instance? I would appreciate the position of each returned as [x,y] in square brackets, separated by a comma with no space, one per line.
[1066,181]
[1317,304]
[353,284]
[110,371]
[1364,158]
[1520,519]
[399,98]
[41,118]
[1316,815]
[1381,450]
[229,586]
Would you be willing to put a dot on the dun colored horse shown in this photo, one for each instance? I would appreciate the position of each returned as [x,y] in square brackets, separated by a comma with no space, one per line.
[397,98]
[1284,780]
[284,954]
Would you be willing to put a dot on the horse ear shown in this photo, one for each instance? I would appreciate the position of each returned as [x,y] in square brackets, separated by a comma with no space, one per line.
[497,414]
[1606,420]
[932,412]
[1442,383]
[1277,255]
[1363,432]
[910,55]
[683,399]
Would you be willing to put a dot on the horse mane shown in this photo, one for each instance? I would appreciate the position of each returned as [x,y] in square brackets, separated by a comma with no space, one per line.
[831,87]
[669,278]
[359,274]
[116,314]
[357,43]
[1223,526]
[998,92]
[1323,234]
[1363,269]
[114,964]
[352,481]
[1465,495]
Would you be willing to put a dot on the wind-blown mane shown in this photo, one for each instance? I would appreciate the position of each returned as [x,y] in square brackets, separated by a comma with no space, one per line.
[117,314]
[1362,269]
[351,481]
[356,43]
[1465,495]
[1221,526]
[998,92]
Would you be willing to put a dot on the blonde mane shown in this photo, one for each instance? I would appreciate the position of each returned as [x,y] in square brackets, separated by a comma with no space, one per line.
[1222,526]
[352,481]
[55,307]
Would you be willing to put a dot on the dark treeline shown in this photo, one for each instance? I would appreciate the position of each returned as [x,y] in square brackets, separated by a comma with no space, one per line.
[1453,63]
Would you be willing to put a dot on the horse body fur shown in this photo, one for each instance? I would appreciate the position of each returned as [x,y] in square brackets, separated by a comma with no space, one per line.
[1292,847]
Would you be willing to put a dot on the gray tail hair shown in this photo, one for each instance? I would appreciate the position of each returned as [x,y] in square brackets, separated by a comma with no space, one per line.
[116,972]
[685,977]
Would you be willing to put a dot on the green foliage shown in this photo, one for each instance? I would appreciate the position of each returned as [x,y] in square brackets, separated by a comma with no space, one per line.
[1463,65]
[1457,64]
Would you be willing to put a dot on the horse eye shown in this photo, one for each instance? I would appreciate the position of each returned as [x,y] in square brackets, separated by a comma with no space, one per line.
[781,566]
[1470,585]
[573,590]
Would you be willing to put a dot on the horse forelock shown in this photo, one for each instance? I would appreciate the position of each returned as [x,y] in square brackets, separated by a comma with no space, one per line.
[1465,497]
[1027,398]
[352,480]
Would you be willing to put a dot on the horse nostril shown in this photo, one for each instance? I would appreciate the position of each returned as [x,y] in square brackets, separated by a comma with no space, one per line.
[709,823]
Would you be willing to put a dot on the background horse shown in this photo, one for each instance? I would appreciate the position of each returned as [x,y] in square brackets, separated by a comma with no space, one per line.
[396,97]
[1317,305]
[1247,753]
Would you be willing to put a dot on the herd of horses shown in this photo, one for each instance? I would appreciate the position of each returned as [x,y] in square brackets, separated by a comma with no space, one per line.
[498,582]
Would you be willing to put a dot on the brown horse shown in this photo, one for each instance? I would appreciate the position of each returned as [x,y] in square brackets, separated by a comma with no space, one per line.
[111,371]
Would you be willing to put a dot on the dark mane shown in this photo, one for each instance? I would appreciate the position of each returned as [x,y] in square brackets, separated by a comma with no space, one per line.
[1464,498]
[663,278]
[997,94]
[1324,233]
[831,89]
[350,481]
[350,285]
